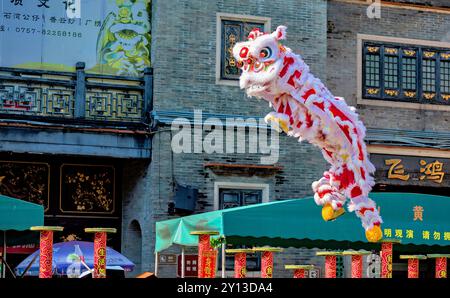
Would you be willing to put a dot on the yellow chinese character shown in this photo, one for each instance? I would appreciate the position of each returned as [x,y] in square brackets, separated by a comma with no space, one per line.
[208,270]
[269,270]
[101,252]
[432,171]
[396,171]
[446,235]
[426,234]
[409,234]
[398,233]
[387,232]
[418,213]
[436,236]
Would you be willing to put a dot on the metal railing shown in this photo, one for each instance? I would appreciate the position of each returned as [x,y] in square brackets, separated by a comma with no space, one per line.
[75,95]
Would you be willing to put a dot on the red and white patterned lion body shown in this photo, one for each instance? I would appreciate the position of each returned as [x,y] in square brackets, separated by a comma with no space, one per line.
[305,109]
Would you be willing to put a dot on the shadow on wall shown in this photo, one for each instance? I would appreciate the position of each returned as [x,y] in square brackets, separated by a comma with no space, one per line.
[133,247]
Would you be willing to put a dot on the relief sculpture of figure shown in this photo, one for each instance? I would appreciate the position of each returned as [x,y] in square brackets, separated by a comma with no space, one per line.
[306,109]
[123,43]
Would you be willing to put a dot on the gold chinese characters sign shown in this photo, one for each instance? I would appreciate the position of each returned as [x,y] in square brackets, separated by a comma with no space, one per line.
[412,170]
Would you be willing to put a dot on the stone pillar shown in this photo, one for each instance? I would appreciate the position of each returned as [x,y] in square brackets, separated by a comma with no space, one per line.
[357,261]
[441,264]
[46,249]
[100,237]
[299,270]
[330,262]
[413,264]
[240,261]
[207,257]
[386,256]
[267,260]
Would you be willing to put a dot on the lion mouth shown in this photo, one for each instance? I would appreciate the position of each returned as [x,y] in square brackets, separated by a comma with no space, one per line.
[256,89]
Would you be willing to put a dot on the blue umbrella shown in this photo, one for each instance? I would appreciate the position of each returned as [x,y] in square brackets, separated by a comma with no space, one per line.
[73,258]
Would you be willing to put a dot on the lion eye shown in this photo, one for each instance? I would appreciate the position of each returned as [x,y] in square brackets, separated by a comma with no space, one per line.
[265,53]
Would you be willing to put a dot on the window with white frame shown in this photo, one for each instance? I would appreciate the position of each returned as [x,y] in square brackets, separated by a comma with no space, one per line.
[405,72]
[229,195]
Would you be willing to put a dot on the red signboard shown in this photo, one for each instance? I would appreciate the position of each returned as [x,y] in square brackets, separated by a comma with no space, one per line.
[190,266]
[21,249]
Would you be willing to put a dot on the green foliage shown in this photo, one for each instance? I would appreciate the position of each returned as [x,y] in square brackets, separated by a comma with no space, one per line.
[217,242]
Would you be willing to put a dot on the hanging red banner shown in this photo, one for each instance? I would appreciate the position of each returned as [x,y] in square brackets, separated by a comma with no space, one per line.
[441,267]
[208,264]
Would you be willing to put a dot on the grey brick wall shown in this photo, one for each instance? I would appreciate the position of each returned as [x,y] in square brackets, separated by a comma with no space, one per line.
[183,55]
[345,21]
[184,49]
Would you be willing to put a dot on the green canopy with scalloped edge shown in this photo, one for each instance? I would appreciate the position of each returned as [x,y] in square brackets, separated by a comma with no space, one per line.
[416,219]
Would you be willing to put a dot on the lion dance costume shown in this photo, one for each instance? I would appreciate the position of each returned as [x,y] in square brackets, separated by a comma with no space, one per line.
[306,109]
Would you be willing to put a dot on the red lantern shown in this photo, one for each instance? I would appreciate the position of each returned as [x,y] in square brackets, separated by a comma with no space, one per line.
[386,257]
[330,262]
[46,250]
[299,270]
[357,262]
[413,264]
[100,250]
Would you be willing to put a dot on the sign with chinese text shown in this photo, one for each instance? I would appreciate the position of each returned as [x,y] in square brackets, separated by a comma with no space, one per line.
[411,170]
[110,36]
[165,259]
[190,266]
[415,218]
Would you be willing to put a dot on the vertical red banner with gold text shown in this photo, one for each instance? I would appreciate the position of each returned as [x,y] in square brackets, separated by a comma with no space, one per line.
[100,255]
[413,268]
[267,264]
[240,265]
[204,245]
[441,268]
[208,264]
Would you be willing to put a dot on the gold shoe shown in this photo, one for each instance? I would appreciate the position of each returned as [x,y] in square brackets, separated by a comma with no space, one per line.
[328,214]
[374,234]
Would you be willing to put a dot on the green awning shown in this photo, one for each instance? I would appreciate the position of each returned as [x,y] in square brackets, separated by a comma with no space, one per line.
[416,219]
[19,215]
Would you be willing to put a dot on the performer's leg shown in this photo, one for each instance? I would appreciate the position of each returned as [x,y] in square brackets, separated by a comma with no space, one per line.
[326,194]
[365,209]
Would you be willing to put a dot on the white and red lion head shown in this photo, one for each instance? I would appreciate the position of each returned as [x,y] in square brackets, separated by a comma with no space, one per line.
[263,59]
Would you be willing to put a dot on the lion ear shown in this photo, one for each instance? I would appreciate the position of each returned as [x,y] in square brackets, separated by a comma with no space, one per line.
[280,33]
